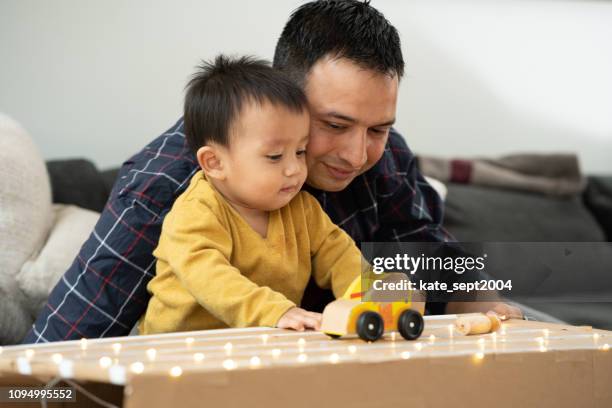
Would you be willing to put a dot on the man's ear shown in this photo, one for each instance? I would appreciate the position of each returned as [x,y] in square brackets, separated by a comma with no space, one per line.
[210,160]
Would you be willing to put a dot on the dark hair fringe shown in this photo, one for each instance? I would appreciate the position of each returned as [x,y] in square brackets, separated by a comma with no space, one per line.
[218,90]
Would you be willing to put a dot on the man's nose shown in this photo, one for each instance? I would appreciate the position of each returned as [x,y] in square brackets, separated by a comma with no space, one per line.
[354,149]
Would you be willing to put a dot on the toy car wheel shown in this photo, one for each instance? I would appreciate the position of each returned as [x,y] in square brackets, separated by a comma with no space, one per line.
[410,324]
[370,326]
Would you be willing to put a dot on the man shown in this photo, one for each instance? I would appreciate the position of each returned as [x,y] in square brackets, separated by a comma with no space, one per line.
[348,59]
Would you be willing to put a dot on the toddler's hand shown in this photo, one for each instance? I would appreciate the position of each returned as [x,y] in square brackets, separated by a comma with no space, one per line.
[299,319]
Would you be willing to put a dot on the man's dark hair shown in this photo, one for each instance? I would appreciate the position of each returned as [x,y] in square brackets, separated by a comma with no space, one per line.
[218,91]
[342,29]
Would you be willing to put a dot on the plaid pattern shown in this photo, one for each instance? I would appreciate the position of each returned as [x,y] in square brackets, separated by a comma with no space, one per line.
[104,292]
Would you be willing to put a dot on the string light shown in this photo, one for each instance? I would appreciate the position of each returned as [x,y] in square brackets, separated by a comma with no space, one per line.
[546,332]
[276,353]
[301,341]
[264,338]
[352,349]
[542,348]
[502,329]
[255,362]
[83,344]
[137,367]
[0,349]
[605,347]
[229,364]
[302,358]
[116,347]
[479,356]
[405,355]
[176,371]
[151,354]
[481,341]
[451,330]
[228,348]
[432,338]
[392,336]
[595,336]
[198,357]
[418,346]
[105,362]
[334,358]
[29,353]
[57,358]
[189,341]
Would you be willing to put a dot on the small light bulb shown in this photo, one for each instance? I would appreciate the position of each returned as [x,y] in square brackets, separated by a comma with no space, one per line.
[198,357]
[116,347]
[29,353]
[481,341]
[83,343]
[405,355]
[137,367]
[57,358]
[540,340]
[546,332]
[0,349]
[334,358]
[432,338]
[176,371]
[479,356]
[228,348]
[229,364]
[595,336]
[301,341]
[105,362]
[189,341]
[352,349]
[302,358]
[392,336]
[276,353]
[605,347]
[151,354]
[418,346]
[542,348]
[264,338]
[255,362]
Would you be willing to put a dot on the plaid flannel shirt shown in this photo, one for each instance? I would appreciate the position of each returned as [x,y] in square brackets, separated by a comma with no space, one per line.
[104,292]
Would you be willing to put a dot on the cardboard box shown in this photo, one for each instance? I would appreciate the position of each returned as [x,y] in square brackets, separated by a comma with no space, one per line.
[525,364]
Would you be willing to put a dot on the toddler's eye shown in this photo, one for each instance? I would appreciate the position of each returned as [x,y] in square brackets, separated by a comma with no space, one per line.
[301,152]
[274,157]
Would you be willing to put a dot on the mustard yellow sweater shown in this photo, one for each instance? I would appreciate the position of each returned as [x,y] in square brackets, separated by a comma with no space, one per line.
[215,271]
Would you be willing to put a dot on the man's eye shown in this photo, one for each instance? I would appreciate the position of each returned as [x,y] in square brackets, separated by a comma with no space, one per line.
[335,126]
[301,152]
[378,131]
[274,157]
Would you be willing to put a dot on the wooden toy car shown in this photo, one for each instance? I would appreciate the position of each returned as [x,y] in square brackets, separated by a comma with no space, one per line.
[349,315]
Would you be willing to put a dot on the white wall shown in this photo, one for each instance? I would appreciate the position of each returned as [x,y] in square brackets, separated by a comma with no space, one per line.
[101,79]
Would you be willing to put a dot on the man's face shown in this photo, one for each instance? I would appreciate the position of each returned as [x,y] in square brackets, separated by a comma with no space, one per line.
[351,112]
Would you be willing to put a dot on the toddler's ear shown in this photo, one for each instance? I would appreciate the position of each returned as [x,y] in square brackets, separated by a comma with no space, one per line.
[210,160]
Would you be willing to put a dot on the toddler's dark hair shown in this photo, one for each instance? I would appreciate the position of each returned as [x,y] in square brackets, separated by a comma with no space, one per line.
[218,91]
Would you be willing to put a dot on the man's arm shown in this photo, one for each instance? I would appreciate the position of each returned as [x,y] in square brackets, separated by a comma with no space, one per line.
[103,293]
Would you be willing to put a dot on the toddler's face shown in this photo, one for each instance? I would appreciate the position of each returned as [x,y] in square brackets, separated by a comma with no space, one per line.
[265,164]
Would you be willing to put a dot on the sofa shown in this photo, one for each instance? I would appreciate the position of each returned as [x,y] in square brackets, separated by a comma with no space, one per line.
[472,214]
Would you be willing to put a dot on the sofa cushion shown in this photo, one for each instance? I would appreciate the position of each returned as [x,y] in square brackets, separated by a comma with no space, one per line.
[25,218]
[481,214]
[72,225]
